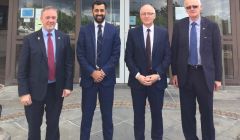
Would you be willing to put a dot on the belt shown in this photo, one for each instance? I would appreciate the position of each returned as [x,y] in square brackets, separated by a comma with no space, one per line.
[195,67]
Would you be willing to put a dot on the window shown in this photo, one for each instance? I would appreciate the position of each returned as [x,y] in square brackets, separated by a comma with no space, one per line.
[66,15]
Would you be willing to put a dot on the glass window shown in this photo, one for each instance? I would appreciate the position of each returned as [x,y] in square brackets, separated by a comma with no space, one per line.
[228,61]
[112,16]
[215,10]
[160,7]
[29,13]
[18,51]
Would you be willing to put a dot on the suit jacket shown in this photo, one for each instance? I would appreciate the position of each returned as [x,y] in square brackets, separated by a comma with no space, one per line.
[136,59]
[210,51]
[110,54]
[33,65]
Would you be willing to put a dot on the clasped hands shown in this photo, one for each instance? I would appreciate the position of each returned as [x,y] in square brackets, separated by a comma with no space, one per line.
[148,80]
[98,75]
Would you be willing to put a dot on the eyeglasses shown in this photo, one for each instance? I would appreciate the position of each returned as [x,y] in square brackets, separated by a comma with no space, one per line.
[191,7]
[147,14]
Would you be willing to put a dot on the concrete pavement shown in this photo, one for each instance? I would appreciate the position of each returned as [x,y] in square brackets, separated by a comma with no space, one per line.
[226,115]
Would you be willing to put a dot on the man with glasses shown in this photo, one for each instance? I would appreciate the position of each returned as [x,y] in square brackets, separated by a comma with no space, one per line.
[147,57]
[196,69]
[98,52]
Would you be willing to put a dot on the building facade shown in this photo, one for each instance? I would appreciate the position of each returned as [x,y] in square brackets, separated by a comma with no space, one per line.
[21,17]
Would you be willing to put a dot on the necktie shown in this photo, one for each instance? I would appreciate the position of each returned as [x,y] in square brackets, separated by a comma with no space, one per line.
[193,59]
[99,44]
[51,63]
[148,51]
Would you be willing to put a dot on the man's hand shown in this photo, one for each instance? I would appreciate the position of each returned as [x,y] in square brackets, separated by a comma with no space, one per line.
[98,75]
[144,80]
[175,81]
[26,99]
[66,93]
[153,78]
[217,85]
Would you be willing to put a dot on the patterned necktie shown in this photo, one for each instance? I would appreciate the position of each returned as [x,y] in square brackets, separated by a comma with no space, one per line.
[148,51]
[99,44]
[51,63]
[193,59]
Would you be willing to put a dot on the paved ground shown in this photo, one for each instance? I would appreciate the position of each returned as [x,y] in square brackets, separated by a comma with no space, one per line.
[226,115]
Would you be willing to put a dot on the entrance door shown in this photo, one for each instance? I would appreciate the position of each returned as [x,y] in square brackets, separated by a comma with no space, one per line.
[3,37]
[132,18]
[115,16]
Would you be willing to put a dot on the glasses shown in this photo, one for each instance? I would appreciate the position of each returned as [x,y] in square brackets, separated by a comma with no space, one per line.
[147,14]
[50,17]
[192,7]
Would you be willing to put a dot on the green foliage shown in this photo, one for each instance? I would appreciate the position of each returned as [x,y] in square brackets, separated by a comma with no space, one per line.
[66,23]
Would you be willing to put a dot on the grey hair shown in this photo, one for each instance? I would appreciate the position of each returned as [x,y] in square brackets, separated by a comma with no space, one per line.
[199,1]
[48,8]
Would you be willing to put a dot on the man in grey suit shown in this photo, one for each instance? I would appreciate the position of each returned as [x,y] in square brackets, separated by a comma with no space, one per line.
[45,76]
[196,69]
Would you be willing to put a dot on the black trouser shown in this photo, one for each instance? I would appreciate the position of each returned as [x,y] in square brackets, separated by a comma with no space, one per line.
[155,98]
[52,104]
[196,89]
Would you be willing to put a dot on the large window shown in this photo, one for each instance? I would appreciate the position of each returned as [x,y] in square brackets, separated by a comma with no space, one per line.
[112,16]
[219,12]
[160,7]
[29,14]
[215,10]
[113,12]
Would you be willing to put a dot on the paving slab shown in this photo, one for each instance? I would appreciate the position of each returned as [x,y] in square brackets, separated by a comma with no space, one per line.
[226,115]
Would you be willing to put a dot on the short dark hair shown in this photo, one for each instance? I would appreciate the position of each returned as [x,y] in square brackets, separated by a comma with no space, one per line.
[99,2]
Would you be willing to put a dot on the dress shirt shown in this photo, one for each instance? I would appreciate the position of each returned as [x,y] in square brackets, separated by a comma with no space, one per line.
[96,35]
[151,33]
[45,37]
[198,27]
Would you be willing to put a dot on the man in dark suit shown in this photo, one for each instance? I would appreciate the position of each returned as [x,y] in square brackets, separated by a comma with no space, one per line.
[45,75]
[196,69]
[98,51]
[147,57]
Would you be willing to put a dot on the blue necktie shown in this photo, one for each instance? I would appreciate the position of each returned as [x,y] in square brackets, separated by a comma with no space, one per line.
[193,54]
[99,44]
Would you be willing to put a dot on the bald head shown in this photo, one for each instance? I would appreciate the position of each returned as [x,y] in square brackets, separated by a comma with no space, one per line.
[147,15]
[187,2]
[193,8]
[147,7]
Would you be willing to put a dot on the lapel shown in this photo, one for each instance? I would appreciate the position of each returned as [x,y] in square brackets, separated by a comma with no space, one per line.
[185,35]
[106,30]
[41,43]
[91,29]
[202,33]
[58,39]
[140,36]
[155,39]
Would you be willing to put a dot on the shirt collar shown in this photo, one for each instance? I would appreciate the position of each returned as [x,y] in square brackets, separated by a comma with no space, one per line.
[45,32]
[145,28]
[96,24]
[198,21]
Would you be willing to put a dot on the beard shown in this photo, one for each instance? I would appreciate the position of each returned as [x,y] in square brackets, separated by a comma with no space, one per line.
[99,18]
